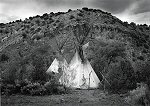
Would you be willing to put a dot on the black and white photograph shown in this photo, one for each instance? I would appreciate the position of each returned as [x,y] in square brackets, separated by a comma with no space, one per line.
[75,52]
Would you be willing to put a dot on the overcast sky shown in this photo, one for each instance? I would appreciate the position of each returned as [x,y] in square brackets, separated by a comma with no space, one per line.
[137,11]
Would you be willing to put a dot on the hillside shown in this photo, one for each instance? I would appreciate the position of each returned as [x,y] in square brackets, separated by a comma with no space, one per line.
[28,47]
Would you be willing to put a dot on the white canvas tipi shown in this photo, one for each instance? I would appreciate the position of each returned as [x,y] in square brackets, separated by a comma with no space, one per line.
[53,67]
[83,75]
[63,74]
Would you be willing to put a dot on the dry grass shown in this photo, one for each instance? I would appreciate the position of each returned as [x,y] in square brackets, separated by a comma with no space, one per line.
[76,98]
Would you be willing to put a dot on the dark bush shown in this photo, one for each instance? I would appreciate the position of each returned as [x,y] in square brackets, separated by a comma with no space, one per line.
[143,71]
[71,17]
[78,19]
[38,73]
[54,87]
[24,35]
[30,18]
[85,8]
[51,87]
[45,16]
[146,46]
[90,9]
[80,14]
[33,89]
[2,24]
[69,10]
[4,57]
[8,89]
[121,77]
[140,58]
[57,21]
[52,13]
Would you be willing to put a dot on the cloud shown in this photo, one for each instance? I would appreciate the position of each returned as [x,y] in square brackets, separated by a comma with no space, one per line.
[113,6]
[135,13]
[140,18]
[143,6]
[25,8]
[73,3]
[5,18]
[124,9]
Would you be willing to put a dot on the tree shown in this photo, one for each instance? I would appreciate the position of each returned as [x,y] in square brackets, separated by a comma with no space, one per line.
[39,73]
[81,32]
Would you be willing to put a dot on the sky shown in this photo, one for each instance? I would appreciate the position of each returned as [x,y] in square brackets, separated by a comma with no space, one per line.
[137,11]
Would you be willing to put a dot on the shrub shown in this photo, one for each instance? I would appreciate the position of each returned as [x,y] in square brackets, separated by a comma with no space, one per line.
[30,18]
[14,88]
[38,73]
[51,87]
[121,77]
[8,89]
[85,8]
[71,17]
[140,58]
[69,10]
[4,57]
[54,87]
[33,89]
[57,21]
[78,19]
[80,14]
[139,95]
[142,71]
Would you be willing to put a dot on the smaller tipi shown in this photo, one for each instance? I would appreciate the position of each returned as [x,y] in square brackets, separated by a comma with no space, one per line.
[53,67]
[59,66]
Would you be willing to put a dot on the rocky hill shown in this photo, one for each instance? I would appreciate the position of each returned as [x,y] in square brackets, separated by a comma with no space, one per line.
[29,45]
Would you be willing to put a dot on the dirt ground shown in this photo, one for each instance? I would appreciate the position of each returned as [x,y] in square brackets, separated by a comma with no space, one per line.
[75,98]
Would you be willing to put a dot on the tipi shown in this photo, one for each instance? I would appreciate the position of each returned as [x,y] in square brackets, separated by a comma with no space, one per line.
[83,75]
[53,67]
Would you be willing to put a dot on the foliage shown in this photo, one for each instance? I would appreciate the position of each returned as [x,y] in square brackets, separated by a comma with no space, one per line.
[140,95]
[112,67]
[142,70]
[26,87]
[9,75]
[121,77]
[3,58]
[69,10]
[33,89]
[85,8]
[23,59]
[39,73]
[71,17]
[53,87]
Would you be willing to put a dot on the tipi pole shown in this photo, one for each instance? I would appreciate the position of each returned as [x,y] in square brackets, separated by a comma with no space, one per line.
[89,78]
[106,81]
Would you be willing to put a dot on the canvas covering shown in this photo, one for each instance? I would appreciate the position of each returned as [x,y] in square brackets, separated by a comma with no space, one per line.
[83,75]
[53,67]
[76,74]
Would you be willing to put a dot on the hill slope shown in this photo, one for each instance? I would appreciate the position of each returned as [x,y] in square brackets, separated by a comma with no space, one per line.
[30,44]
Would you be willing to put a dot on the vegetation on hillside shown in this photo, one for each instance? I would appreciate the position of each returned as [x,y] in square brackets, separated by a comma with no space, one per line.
[119,52]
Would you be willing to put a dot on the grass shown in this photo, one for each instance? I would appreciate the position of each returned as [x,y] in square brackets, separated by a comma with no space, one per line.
[76,98]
